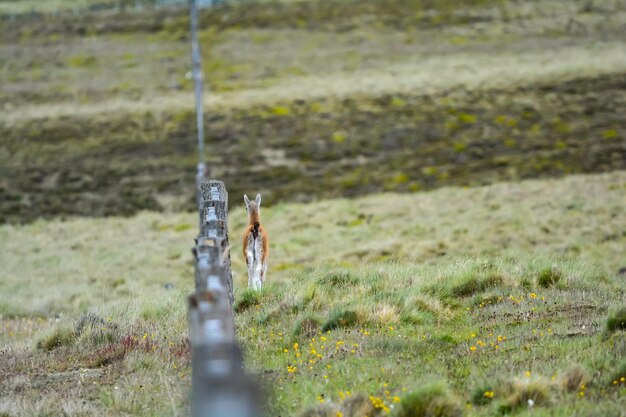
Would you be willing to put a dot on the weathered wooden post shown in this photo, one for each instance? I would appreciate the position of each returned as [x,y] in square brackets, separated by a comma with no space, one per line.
[209,263]
[213,205]
[220,388]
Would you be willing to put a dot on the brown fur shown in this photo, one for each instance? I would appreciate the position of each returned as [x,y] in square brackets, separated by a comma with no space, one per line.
[256,229]
[255,232]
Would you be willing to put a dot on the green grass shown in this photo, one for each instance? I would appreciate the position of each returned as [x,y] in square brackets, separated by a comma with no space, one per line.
[617,320]
[430,400]
[548,277]
[248,299]
[340,318]
[478,313]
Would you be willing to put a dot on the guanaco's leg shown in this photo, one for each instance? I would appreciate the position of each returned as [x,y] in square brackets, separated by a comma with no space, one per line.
[250,261]
[258,267]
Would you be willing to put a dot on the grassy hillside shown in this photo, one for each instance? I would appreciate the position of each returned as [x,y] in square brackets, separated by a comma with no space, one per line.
[511,289]
[306,99]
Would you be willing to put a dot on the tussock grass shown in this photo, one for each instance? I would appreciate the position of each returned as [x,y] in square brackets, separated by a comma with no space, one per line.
[527,393]
[618,375]
[96,330]
[288,305]
[384,314]
[488,299]
[616,320]
[427,304]
[416,317]
[431,400]
[61,336]
[338,278]
[248,299]
[322,410]
[617,344]
[574,378]
[549,277]
[359,405]
[466,280]
[484,393]
[471,284]
[307,327]
[340,318]
[311,296]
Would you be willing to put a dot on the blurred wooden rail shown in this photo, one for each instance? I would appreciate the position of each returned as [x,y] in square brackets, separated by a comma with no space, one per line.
[220,388]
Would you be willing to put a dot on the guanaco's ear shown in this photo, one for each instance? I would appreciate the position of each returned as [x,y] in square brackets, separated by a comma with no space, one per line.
[258,199]
[246,200]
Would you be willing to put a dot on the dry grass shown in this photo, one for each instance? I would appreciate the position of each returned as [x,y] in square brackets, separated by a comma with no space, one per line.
[429,75]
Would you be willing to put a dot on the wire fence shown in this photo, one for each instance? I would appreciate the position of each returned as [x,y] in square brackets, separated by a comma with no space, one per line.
[220,387]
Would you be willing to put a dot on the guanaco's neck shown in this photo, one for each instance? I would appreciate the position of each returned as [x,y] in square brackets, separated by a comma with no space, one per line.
[254,216]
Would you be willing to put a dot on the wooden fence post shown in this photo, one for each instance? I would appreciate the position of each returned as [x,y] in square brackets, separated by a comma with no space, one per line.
[220,388]
[213,208]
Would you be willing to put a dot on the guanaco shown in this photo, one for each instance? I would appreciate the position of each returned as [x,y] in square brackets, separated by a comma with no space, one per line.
[255,244]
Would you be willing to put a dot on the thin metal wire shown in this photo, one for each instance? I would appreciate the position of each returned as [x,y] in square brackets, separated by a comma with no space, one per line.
[198,83]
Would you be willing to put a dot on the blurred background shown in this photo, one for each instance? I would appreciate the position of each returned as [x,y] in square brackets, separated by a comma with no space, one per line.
[304,99]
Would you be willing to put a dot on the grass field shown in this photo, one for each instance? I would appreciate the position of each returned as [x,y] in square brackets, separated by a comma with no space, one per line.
[443,182]
[504,289]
